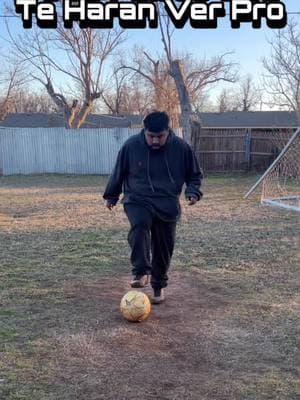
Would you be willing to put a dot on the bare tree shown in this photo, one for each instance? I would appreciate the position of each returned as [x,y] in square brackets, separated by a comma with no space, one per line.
[248,95]
[126,94]
[245,97]
[29,101]
[153,71]
[135,99]
[282,79]
[76,56]
[175,70]
[201,76]
[203,103]
[11,80]
[114,95]
[197,76]
[225,101]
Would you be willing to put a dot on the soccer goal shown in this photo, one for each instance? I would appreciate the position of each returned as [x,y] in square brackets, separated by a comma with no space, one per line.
[281,181]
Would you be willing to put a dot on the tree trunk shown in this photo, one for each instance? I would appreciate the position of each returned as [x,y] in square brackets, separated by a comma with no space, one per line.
[84,112]
[4,108]
[184,98]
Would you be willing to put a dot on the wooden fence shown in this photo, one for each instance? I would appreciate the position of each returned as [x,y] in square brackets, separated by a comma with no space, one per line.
[239,149]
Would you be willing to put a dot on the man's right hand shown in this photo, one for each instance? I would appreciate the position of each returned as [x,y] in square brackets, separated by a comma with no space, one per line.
[110,205]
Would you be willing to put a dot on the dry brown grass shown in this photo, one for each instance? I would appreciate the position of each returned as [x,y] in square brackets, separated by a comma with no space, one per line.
[229,327]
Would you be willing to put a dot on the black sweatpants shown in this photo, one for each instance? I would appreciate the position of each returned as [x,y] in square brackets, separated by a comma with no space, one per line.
[149,234]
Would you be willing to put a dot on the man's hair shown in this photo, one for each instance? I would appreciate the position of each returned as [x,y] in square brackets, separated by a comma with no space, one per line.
[156,121]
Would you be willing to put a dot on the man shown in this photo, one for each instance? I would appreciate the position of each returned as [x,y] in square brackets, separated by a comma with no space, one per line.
[152,167]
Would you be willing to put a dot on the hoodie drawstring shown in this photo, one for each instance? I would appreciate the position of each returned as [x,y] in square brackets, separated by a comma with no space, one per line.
[148,170]
[169,172]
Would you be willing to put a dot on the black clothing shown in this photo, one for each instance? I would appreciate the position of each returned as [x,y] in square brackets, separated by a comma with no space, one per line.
[152,182]
[154,178]
[148,231]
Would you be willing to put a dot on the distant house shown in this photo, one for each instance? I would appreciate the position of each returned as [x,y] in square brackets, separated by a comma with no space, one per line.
[250,119]
[236,119]
[43,120]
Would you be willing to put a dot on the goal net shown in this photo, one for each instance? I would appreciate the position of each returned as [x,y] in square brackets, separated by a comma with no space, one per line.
[281,181]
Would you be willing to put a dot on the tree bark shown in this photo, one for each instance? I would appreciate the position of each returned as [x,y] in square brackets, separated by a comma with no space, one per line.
[184,98]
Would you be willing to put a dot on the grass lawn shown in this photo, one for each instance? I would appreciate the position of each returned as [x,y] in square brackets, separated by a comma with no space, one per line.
[229,328]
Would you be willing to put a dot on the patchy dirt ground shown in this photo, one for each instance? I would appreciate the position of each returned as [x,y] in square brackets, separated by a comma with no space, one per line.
[229,328]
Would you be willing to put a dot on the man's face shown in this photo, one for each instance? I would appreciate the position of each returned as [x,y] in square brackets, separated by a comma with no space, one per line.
[156,140]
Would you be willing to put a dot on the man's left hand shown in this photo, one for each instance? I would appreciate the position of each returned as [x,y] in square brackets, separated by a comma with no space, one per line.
[192,200]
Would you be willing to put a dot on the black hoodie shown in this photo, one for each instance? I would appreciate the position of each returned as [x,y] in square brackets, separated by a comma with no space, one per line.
[154,178]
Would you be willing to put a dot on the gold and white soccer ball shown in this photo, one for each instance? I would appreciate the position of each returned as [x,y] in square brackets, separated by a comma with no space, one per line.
[135,306]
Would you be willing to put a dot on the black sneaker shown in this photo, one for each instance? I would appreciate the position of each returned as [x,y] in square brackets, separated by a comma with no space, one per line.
[140,281]
[159,296]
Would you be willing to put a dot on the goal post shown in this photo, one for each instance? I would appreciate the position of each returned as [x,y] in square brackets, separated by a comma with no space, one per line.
[281,181]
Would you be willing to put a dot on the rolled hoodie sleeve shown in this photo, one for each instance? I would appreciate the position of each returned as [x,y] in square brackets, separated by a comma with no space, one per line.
[194,176]
[115,183]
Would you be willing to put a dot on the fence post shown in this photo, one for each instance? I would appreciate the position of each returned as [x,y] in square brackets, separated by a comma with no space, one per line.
[248,149]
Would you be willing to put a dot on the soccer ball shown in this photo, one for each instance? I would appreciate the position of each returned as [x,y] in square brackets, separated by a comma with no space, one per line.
[135,306]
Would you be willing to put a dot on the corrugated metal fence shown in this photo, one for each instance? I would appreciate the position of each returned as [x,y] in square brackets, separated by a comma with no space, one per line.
[59,150]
